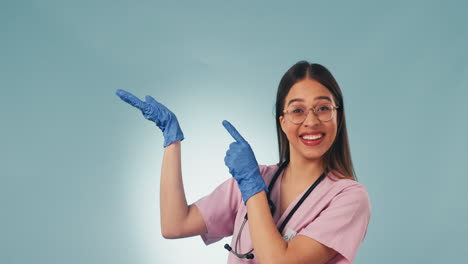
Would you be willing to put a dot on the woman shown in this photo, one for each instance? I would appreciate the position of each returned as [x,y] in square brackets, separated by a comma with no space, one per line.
[313,209]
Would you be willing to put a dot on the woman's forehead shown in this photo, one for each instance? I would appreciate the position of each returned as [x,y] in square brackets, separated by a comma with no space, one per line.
[308,91]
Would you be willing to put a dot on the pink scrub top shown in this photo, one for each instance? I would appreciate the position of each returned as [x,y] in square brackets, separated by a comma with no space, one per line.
[336,214]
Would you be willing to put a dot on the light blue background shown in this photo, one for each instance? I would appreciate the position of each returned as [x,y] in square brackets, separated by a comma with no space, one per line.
[80,169]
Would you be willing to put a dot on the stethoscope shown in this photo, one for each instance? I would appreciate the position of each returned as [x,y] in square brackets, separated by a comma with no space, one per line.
[249,254]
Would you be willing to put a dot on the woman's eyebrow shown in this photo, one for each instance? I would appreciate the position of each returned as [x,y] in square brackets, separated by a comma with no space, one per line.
[323,97]
[316,98]
[295,100]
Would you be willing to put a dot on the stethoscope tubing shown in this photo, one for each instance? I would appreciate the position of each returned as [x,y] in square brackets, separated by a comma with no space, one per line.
[272,206]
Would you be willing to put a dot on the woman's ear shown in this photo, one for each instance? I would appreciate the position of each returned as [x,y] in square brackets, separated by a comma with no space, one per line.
[281,120]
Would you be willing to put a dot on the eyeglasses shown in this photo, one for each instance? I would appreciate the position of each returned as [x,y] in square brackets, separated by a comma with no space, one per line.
[298,113]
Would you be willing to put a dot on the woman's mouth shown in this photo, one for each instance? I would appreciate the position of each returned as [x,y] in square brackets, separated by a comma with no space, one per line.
[312,140]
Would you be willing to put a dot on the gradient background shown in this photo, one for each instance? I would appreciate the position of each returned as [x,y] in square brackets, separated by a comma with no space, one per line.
[80,168]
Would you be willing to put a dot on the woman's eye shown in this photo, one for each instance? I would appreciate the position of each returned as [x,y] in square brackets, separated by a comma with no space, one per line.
[323,108]
[298,111]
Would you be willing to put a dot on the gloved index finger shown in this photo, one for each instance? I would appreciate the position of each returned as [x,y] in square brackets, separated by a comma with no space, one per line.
[129,98]
[233,131]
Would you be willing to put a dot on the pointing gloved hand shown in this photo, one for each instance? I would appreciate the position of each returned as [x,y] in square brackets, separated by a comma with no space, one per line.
[242,165]
[158,113]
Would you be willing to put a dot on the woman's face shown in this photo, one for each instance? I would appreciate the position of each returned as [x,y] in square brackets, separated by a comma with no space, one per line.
[312,138]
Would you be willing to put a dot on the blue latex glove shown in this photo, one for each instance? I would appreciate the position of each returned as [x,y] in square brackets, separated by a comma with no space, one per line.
[158,113]
[242,165]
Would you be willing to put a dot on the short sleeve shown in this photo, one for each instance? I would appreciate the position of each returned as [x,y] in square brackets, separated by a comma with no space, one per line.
[219,210]
[342,225]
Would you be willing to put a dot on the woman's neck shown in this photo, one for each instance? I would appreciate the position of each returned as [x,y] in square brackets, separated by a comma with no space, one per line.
[303,171]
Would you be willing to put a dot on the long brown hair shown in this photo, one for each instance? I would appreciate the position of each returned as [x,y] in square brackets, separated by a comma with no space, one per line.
[338,157]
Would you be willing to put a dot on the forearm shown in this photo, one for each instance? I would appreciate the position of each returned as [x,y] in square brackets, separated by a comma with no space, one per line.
[267,241]
[173,204]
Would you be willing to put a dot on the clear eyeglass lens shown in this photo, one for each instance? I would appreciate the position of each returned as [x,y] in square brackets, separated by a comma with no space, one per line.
[298,113]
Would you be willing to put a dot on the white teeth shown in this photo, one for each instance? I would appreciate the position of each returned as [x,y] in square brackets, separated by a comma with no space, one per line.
[312,137]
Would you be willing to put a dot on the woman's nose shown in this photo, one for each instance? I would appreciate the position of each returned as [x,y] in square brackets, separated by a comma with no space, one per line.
[311,119]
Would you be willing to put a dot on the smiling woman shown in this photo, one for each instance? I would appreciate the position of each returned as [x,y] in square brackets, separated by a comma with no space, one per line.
[313,84]
[303,130]
[312,211]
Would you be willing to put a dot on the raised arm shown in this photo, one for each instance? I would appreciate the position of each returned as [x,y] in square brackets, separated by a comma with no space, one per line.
[177,218]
